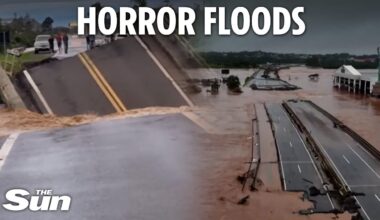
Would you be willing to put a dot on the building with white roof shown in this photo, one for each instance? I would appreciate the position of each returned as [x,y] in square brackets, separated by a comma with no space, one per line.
[356,81]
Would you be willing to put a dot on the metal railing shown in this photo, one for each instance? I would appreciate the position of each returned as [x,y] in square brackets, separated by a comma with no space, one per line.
[365,144]
[255,145]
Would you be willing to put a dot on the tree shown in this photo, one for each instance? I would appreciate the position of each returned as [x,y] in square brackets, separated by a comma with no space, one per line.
[47,24]
[139,3]
[233,83]
[167,2]
[313,61]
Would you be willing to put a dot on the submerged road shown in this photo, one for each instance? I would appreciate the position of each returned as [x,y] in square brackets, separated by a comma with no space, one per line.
[299,172]
[359,170]
[113,78]
[134,168]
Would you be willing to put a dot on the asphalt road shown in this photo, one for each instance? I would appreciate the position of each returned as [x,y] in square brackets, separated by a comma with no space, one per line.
[260,83]
[359,170]
[135,77]
[126,70]
[298,169]
[69,89]
[136,168]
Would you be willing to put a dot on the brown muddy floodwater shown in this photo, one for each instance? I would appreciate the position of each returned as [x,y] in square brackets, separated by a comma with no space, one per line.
[361,113]
[229,117]
[226,149]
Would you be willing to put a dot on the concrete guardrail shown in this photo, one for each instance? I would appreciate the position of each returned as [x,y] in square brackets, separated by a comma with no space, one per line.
[8,92]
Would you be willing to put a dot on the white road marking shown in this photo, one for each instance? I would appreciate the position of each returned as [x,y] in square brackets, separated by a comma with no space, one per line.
[311,159]
[290,143]
[299,168]
[378,199]
[365,162]
[280,158]
[164,71]
[6,147]
[38,92]
[284,129]
[341,176]
[345,158]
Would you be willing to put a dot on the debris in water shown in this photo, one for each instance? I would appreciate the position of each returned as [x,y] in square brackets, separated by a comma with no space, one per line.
[244,200]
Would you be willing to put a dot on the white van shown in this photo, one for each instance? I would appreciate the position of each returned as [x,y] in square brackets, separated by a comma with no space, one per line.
[41,43]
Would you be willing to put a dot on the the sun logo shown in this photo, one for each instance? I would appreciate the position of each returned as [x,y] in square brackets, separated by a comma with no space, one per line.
[43,200]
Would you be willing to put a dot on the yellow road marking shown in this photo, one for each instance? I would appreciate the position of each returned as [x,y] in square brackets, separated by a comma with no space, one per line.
[108,87]
[102,83]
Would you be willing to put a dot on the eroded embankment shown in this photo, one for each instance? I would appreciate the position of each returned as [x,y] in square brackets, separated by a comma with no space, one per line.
[24,120]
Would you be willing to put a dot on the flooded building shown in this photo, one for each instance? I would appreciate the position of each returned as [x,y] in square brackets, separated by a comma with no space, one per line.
[356,81]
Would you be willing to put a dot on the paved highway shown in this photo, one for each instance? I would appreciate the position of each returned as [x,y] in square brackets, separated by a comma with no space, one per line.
[136,168]
[119,76]
[359,170]
[298,169]
[136,77]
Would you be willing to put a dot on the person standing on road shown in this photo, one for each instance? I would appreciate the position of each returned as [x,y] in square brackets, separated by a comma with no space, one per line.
[92,42]
[59,42]
[51,43]
[88,41]
[66,43]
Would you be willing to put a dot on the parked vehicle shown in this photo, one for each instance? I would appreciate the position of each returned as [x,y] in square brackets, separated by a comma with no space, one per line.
[41,43]
[100,40]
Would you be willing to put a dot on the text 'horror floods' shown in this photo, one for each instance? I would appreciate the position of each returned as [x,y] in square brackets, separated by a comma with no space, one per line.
[167,21]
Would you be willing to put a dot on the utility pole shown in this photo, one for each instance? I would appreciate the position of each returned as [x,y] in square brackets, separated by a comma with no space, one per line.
[4,43]
[376,87]
[378,67]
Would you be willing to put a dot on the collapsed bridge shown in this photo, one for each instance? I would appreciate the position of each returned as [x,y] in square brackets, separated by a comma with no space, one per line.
[341,162]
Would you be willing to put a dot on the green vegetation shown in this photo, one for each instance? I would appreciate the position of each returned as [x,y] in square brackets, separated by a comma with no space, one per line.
[333,61]
[233,83]
[139,3]
[23,31]
[252,59]
[47,25]
[22,61]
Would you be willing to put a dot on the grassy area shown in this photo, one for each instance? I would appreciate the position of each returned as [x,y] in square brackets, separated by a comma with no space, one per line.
[20,62]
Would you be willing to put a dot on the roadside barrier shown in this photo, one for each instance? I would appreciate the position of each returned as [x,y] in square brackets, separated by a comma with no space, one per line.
[255,145]
[8,92]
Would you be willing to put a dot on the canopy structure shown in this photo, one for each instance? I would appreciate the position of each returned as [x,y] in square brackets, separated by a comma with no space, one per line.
[357,81]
